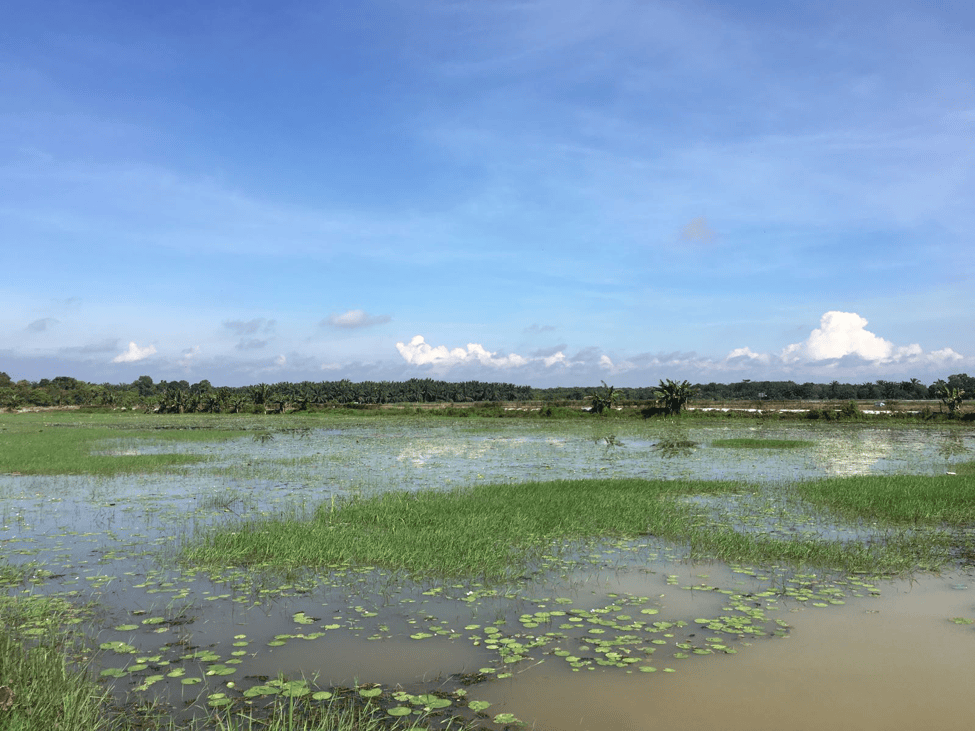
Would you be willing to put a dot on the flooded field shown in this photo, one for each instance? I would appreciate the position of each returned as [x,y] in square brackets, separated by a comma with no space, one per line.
[610,635]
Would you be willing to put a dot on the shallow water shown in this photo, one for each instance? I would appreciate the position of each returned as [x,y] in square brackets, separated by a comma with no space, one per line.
[607,629]
[885,664]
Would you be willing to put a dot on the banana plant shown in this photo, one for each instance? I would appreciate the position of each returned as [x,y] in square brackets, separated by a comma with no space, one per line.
[951,397]
[674,395]
[605,398]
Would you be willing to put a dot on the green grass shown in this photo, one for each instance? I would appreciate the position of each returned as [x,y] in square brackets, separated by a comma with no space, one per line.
[39,687]
[905,500]
[42,444]
[495,532]
[297,714]
[761,443]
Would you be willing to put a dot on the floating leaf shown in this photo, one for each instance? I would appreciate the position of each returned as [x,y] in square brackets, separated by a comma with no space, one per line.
[506,718]
[117,646]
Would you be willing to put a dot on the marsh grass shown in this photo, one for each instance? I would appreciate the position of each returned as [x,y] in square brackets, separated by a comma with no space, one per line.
[40,687]
[762,443]
[298,714]
[496,532]
[67,445]
[906,500]
[489,531]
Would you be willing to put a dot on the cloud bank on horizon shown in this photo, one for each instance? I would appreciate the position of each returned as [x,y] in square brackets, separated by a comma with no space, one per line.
[841,345]
[542,192]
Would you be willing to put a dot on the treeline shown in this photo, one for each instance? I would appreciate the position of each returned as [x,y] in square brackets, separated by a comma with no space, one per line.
[183,397]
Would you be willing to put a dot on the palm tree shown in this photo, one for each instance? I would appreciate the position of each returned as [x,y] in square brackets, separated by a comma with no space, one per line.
[261,394]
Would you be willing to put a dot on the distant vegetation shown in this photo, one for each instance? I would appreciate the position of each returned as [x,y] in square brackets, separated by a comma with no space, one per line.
[183,397]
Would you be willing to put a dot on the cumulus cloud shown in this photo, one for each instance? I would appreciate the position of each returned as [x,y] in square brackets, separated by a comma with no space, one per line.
[134,353]
[355,319]
[747,354]
[843,338]
[419,352]
[536,329]
[840,334]
[844,335]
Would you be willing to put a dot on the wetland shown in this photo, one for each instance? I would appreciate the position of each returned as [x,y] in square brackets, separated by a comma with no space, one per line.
[492,573]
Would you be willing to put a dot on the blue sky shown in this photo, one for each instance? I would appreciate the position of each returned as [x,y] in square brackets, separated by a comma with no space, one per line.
[536,192]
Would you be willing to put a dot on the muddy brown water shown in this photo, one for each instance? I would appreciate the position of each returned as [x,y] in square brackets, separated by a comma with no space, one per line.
[888,663]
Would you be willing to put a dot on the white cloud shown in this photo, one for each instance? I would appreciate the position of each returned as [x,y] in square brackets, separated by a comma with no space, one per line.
[134,353]
[842,338]
[555,358]
[354,319]
[418,352]
[747,354]
[840,334]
